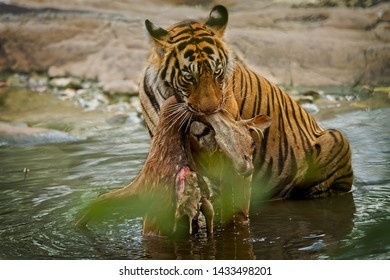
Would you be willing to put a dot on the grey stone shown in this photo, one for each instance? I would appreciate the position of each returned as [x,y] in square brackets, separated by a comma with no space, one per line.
[294,46]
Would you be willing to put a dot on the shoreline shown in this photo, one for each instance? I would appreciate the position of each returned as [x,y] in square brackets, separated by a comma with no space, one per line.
[330,59]
[301,46]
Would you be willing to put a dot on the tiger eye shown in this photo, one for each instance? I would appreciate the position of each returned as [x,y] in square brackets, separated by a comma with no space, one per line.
[187,77]
[217,72]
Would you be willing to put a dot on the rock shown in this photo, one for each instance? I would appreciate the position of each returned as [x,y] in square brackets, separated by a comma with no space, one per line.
[305,99]
[134,118]
[358,19]
[377,61]
[285,46]
[383,12]
[88,84]
[66,94]
[311,108]
[37,81]
[55,71]
[23,135]
[317,245]
[382,31]
[17,80]
[118,107]
[312,93]
[65,82]
[122,118]
[90,99]
[136,104]
[106,40]
[120,87]
[118,119]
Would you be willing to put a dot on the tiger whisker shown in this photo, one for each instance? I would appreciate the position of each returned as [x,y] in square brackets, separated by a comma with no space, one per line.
[174,107]
[173,110]
[177,119]
[189,122]
[172,118]
[184,120]
[228,113]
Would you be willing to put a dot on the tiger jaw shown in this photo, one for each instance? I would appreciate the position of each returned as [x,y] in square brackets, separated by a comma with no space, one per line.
[201,111]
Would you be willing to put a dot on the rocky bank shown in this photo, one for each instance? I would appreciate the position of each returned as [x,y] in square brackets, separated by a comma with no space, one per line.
[106,40]
[91,53]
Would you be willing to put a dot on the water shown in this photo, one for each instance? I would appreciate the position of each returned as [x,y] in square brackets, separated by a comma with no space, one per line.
[39,208]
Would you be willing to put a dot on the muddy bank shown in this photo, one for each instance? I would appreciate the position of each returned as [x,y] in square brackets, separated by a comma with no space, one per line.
[59,115]
[106,40]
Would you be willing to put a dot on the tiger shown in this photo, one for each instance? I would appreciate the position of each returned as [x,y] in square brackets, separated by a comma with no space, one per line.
[296,159]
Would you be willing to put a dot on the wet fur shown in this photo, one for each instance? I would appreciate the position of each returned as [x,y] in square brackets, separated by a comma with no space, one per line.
[154,190]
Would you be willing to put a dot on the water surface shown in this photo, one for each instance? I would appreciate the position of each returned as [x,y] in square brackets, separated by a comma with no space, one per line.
[38,209]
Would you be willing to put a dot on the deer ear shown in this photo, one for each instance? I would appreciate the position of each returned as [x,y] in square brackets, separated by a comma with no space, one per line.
[159,35]
[260,122]
[218,20]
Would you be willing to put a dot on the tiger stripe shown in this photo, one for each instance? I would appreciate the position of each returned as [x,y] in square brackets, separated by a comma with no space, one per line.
[296,157]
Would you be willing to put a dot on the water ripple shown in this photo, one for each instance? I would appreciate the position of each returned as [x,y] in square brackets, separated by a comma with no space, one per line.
[38,212]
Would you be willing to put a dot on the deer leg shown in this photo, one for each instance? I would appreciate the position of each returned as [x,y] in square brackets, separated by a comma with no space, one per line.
[208,211]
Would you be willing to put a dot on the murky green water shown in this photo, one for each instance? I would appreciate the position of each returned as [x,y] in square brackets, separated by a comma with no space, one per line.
[38,209]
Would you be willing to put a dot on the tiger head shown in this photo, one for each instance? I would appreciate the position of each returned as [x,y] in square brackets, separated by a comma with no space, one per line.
[190,60]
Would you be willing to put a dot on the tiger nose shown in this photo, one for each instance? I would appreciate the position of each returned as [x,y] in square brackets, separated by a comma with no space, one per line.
[210,105]
[210,108]
[209,111]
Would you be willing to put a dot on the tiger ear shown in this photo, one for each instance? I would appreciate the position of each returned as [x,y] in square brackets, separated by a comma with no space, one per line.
[218,20]
[158,34]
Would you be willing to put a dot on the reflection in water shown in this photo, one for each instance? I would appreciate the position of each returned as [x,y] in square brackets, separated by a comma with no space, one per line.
[369,135]
[280,230]
[37,214]
[303,224]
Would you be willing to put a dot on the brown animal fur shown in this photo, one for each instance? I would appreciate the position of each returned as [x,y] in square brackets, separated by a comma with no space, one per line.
[295,159]
[234,161]
[158,188]
[166,186]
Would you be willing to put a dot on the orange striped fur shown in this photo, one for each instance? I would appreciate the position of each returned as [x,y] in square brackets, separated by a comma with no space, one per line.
[296,159]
